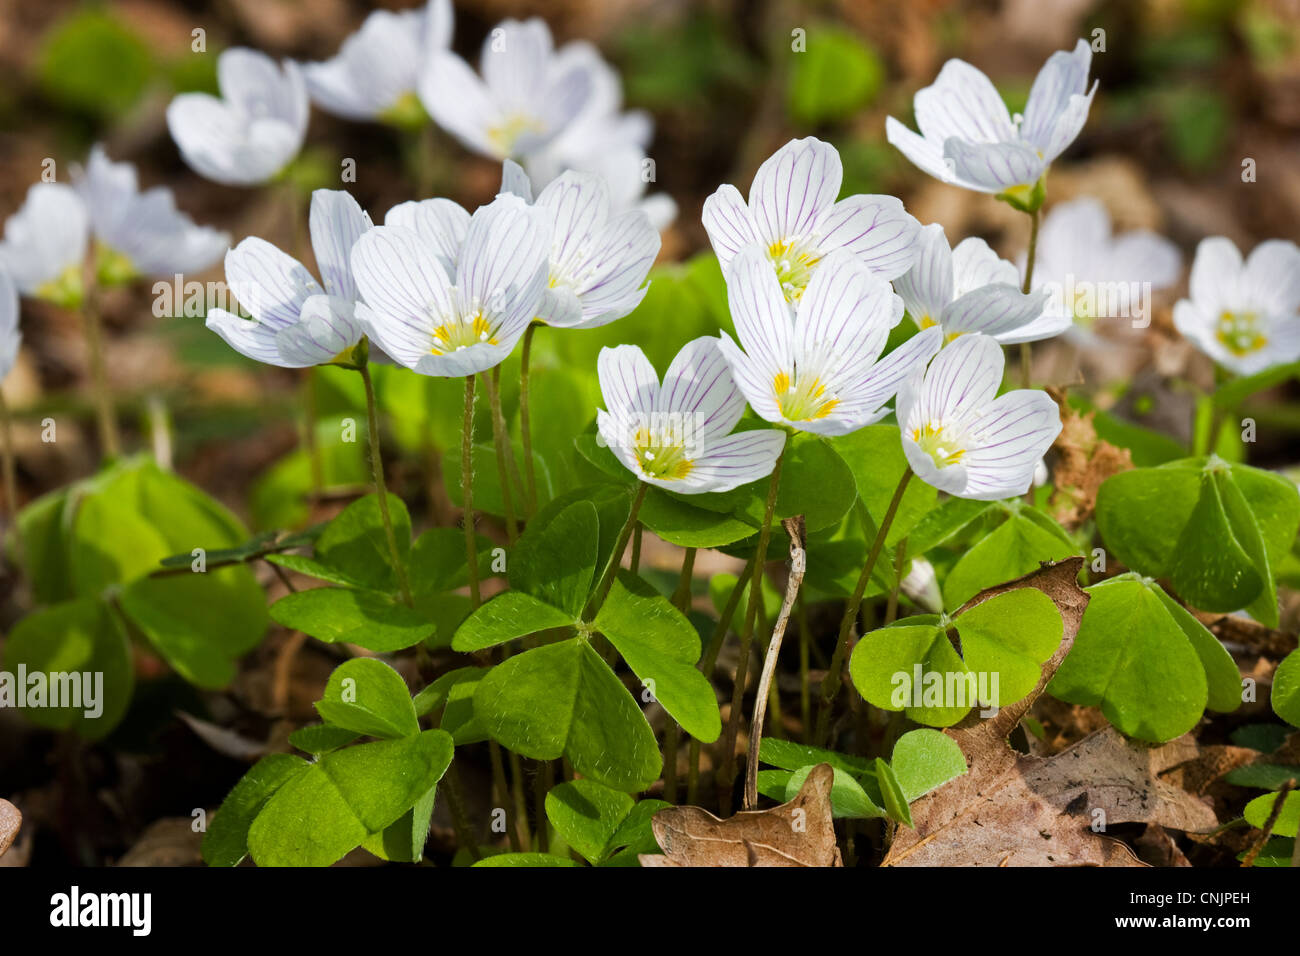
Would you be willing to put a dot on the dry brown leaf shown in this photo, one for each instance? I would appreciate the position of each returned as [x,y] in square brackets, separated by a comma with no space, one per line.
[798,833]
[11,822]
[1084,461]
[1158,848]
[171,841]
[992,816]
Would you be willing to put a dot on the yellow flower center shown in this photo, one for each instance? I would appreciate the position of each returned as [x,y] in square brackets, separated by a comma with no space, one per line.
[64,290]
[505,135]
[802,400]
[1240,332]
[456,334]
[794,266]
[661,454]
[935,441]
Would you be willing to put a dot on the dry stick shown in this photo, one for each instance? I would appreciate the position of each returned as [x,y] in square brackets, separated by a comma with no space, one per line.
[747,640]
[467,490]
[381,487]
[525,422]
[502,442]
[794,527]
[834,676]
[673,735]
[1283,791]
[10,479]
[1025,357]
[709,662]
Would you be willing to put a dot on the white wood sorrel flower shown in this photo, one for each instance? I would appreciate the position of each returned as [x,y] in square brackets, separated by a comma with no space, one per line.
[598,261]
[141,233]
[818,368]
[528,93]
[1090,273]
[255,128]
[452,315]
[969,139]
[970,289]
[45,244]
[794,218]
[678,435]
[961,437]
[377,69]
[11,336]
[1244,315]
[296,321]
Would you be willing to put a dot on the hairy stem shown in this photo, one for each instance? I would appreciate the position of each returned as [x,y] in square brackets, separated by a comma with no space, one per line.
[834,676]
[673,735]
[381,487]
[616,556]
[502,441]
[467,490]
[1026,358]
[525,421]
[10,479]
[110,444]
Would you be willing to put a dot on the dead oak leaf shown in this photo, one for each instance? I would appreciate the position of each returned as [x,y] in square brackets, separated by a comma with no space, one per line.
[798,833]
[11,820]
[1083,462]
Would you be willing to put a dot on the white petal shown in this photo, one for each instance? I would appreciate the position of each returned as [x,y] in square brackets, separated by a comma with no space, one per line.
[928,286]
[502,269]
[327,326]
[760,313]
[610,276]
[974,264]
[515,181]
[886,377]
[576,206]
[962,379]
[754,382]
[1215,275]
[793,187]
[699,386]
[260,88]
[458,101]
[874,228]
[1069,125]
[1013,433]
[995,310]
[727,221]
[270,285]
[842,323]
[11,335]
[441,223]
[962,103]
[1063,76]
[248,337]
[926,155]
[336,221]
[994,167]
[1270,279]
[45,237]
[628,383]
[733,461]
[407,291]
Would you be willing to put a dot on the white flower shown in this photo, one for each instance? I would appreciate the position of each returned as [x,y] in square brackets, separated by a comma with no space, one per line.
[44,245]
[454,321]
[818,368]
[605,140]
[969,139]
[377,69]
[598,262]
[297,321]
[678,435]
[250,133]
[142,233]
[960,438]
[969,289]
[1090,273]
[921,584]
[1244,315]
[11,336]
[527,95]
[793,217]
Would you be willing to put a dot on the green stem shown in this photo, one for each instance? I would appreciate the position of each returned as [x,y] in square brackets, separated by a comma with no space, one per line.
[525,421]
[109,440]
[502,441]
[467,490]
[708,662]
[309,441]
[10,478]
[673,735]
[1025,356]
[747,639]
[381,487]
[616,556]
[460,821]
[834,676]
